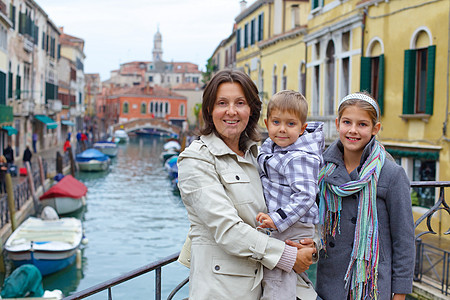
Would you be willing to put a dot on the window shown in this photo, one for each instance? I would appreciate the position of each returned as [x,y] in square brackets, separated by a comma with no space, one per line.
[2,88]
[284,80]
[238,40]
[182,110]
[150,78]
[418,84]
[246,36]
[261,27]
[143,108]
[295,16]
[167,107]
[151,107]
[252,32]
[126,107]
[372,78]
[423,170]
[316,91]
[315,4]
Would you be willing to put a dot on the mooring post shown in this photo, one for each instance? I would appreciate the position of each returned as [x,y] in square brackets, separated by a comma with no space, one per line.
[72,162]
[11,204]
[59,163]
[41,173]
[31,186]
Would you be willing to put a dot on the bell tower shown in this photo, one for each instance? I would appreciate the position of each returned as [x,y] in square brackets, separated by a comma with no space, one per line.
[157,47]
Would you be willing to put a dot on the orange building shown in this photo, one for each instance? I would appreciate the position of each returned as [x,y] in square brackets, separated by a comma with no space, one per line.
[149,102]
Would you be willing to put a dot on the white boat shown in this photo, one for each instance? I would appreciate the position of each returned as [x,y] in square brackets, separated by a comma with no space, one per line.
[108,148]
[50,245]
[67,196]
[121,135]
[92,160]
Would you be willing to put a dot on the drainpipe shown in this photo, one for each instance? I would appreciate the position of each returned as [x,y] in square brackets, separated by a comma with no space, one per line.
[444,127]
[363,27]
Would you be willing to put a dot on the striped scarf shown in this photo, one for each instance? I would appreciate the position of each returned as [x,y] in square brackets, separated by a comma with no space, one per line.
[362,271]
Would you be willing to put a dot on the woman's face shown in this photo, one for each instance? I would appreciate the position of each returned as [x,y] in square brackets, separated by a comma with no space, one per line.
[231,113]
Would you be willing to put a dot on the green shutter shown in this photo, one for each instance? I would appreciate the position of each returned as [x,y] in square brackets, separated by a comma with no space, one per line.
[17,87]
[381,84]
[2,88]
[10,85]
[365,79]
[430,80]
[409,81]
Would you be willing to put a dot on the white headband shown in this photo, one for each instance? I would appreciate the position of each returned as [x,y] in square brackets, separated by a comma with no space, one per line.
[362,97]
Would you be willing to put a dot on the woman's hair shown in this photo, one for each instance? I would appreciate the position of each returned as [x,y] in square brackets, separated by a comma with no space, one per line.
[364,105]
[289,101]
[2,158]
[251,95]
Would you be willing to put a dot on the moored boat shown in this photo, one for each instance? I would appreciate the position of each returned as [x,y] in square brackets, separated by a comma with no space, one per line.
[121,135]
[67,196]
[92,160]
[108,148]
[50,245]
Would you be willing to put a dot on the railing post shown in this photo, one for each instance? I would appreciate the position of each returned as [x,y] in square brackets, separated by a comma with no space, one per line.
[418,265]
[158,283]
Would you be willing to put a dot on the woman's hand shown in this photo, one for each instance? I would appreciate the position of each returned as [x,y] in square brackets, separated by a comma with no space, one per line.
[304,243]
[304,259]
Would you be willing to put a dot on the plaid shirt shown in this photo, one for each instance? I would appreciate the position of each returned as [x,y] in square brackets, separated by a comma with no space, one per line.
[289,177]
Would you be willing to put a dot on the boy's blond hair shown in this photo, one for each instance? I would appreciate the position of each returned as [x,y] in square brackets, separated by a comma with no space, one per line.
[289,101]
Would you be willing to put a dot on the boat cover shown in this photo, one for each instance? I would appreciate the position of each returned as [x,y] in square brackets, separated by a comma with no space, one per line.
[91,154]
[26,280]
[105,144]
[66,187]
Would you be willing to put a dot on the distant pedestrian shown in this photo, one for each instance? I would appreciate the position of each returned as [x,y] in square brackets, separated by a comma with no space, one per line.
[35,138]
[67,145]
[84,141]
[27,155]
[3,170]
[69,135]
[8,152]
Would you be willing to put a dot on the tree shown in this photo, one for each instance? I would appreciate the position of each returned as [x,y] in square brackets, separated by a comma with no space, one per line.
[210,68]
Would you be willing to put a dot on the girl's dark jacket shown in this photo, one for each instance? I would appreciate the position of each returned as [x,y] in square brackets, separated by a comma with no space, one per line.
[395,227]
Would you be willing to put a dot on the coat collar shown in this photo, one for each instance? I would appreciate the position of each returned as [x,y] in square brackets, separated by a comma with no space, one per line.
[218,147]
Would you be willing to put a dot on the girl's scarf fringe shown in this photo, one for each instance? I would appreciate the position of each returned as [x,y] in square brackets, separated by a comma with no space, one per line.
[362,271]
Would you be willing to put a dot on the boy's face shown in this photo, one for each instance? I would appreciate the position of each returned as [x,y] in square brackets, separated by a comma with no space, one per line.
[284,127]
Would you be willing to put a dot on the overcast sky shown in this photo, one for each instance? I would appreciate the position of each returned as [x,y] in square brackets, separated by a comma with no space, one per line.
[118,31]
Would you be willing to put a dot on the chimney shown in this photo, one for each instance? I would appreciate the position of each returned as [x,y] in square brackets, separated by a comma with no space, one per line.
[243,5]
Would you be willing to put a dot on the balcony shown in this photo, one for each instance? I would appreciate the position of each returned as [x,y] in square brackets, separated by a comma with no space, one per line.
[28,45]
[54,105]
[23,107]
[329,126]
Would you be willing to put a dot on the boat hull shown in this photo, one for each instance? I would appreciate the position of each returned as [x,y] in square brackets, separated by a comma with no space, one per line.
[93,165]
[64,205]
[50,245]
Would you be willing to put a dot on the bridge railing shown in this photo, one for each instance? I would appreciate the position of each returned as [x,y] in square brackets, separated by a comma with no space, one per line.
[419,273]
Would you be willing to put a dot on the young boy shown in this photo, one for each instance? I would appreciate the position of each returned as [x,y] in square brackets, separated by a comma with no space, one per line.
[290,161]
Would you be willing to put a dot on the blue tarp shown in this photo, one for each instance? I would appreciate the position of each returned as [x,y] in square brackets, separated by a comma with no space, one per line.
[90,154]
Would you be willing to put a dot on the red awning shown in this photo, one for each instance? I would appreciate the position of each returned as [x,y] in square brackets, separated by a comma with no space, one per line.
[66,187]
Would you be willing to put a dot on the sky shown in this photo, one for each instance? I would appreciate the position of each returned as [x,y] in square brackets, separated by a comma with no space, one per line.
[118,31]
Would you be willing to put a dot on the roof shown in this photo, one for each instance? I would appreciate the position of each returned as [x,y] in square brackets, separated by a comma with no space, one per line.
[155,91]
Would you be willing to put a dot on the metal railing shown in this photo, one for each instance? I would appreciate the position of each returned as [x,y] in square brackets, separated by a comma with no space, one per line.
[432,261]
[422,251]
[109,284]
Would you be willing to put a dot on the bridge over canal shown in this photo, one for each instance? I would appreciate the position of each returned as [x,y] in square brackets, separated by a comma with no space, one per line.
[157,125]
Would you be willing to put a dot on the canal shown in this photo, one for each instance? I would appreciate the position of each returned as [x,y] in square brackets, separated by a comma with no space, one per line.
[132,218]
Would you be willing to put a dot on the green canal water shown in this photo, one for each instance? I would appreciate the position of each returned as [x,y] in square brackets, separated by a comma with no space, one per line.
[132,218]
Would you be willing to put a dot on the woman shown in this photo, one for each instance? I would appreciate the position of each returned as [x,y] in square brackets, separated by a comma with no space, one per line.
[222,192]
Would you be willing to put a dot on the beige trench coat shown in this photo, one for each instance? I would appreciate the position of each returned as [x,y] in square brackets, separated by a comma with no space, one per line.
[222,193]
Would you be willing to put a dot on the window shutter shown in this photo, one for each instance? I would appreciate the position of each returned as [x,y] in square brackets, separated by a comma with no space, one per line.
[365,79]
[430,79]
[17,87]
[238,40]
[409,81]
[252,32]
[381,84]
[261,27]
[2,88]
[10,85]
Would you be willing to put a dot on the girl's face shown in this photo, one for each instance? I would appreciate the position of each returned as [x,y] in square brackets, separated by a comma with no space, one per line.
[355,129]
[231,113]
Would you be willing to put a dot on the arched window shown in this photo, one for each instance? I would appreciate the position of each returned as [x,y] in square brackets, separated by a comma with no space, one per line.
[151,107]
[274,79]
[418,84]
[182,110]
[126,107]
[302,78]
[283,79]
[167,108]
[143,108]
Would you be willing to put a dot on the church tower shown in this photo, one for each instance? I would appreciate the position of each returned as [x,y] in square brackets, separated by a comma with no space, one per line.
[157,47]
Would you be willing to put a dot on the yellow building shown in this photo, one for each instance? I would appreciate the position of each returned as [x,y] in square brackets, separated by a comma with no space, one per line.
[327,49]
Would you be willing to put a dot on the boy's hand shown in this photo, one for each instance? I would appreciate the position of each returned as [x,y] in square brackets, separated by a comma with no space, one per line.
[265,220]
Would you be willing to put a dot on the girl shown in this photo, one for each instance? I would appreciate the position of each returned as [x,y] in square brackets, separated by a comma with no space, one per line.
[365,209]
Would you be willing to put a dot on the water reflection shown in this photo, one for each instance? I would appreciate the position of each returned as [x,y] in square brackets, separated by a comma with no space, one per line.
[132,218]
